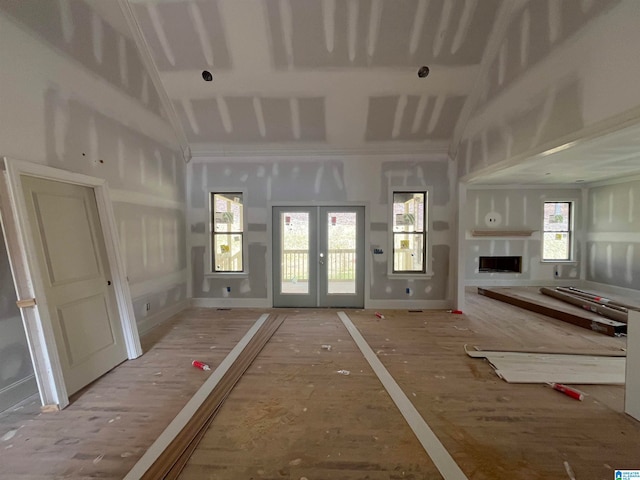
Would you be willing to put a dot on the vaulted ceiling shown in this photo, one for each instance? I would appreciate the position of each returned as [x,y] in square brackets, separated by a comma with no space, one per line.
[317,75]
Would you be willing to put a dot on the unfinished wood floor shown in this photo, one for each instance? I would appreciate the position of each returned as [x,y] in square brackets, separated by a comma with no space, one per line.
[350,428]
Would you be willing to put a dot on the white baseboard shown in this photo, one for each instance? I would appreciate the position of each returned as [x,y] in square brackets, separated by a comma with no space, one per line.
[523,283]
[409,304]
[147,323]
[231,303]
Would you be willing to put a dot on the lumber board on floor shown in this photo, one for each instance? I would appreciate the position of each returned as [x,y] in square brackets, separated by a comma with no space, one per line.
[175,455]
[574,315]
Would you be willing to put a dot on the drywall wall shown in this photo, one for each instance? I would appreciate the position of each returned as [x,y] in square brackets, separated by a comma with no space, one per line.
[75,96]
[17,381]
[613,235]
[517,209]
[632,380]
[562,71]
[328,180]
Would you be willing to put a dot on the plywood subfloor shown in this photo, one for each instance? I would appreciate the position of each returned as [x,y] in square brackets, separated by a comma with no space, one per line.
[293,415]
[492,429]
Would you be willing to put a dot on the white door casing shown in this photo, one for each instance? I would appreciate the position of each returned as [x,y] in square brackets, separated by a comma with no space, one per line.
[29,277]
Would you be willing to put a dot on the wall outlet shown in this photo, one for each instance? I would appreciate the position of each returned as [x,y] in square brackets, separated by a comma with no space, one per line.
[147,306]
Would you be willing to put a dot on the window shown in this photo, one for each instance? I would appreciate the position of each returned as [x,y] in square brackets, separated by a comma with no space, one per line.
[227,235]
[556,235]
[409,232]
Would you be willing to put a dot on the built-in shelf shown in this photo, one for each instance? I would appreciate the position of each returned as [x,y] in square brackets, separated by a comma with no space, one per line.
[502,233]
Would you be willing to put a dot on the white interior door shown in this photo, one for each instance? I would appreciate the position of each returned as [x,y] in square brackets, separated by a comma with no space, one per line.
[318,256]
[79,293]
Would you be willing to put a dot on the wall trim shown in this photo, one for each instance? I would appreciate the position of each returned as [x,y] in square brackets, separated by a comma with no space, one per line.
[316,151]
[146,324]
[409,304]
[164,282]
[614,181]
[231,303]
[137,198]
[523,283]
[152,71]
[613,289]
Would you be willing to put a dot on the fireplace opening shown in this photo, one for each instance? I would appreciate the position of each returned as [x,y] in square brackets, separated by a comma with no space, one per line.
[500,264]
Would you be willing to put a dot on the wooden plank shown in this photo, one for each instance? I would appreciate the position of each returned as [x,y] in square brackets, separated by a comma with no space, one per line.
[597,324]
[446,465]
[518,367]
[172,462]
[479,351]
[164,441]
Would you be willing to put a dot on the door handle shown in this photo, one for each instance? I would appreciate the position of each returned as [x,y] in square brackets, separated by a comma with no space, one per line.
[321,261]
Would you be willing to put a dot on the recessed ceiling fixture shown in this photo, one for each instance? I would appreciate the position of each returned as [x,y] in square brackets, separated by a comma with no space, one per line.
[423,71]
[206,75]
[579,181]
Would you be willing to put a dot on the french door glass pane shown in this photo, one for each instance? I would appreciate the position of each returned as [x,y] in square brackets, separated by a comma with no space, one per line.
[341,255]
[294,228]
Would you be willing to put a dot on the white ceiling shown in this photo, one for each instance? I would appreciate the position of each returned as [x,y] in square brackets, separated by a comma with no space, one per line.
[318,76]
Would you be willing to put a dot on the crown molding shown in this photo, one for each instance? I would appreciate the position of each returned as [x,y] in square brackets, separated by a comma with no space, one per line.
[152,71]
[316,150]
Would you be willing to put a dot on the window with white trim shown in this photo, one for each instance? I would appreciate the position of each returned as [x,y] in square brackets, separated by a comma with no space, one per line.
[557,231]
[227,232]
[410,232]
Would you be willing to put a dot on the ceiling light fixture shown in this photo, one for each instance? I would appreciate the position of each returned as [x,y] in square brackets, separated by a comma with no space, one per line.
[423,71]
[206,75]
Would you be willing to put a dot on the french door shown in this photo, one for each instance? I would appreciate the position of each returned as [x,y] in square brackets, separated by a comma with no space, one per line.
[318,256]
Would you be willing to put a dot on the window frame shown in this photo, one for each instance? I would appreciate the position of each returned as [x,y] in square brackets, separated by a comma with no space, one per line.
[427,271]
[570,232]
[210,245]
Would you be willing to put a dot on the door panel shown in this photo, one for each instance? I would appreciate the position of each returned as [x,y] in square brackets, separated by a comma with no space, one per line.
[295,282]
[318,256]
[73,261]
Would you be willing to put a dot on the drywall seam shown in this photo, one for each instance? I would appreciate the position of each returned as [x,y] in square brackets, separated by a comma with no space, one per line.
[137,198]
[501,25]
[152,71]
[238,302]
[178,423]
[158,283]
[441,458]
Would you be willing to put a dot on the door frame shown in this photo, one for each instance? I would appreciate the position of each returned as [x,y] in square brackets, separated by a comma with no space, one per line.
[271,226]
[28,276]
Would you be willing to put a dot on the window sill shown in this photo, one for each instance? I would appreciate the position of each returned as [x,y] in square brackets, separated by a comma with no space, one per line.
[409,276]
[565,262]
[226,274]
